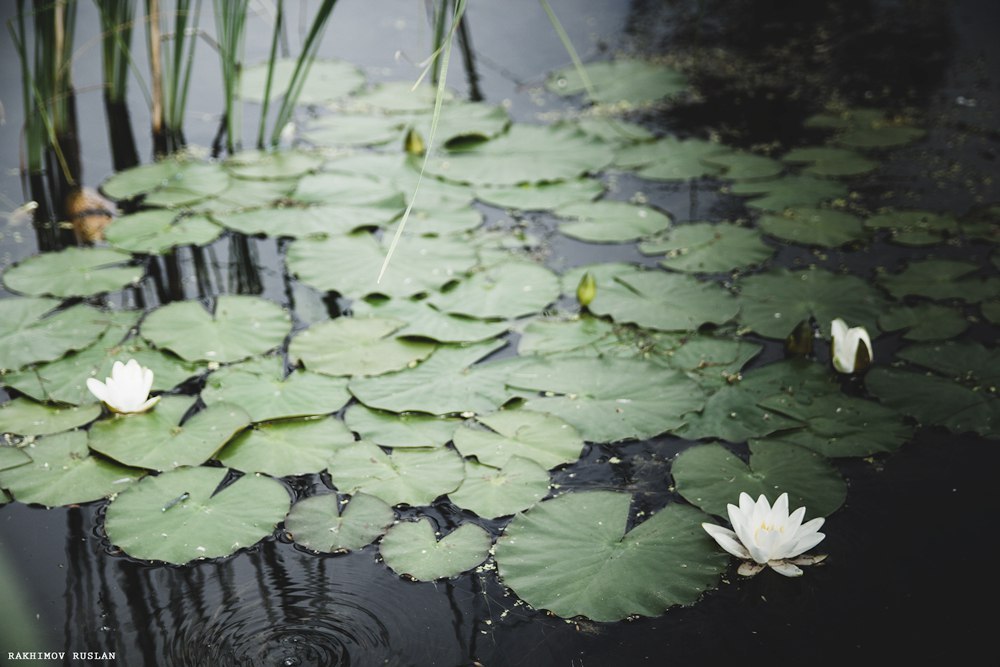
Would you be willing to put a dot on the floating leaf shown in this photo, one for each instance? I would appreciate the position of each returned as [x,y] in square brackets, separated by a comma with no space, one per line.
[356,346]
[828,161]
[72,272]
[327,80]
[270,395]
[866,128]
[576,335]
[323,523]
[814,226]
[303,221]
[159,441]
[407,476]
[773,303]
[272,165]
[462,120]
[670,159]
[355,130]
[991,310]
[941,279]
[181,516]
[391,429]
[541,438]
[422,320]
[915,228]
[741,166]
[411,548]
[614,130]
[396,97]
[525,154]
[710,477]
[608,400]
[541,196]
[31,330]
[964,361]
[24,416]
[287,447]
[925,321]
[62,472]
[703,247]
[789,192]
[494,492]
[610,221]
[572,556]
[349,190]
[239,328]
[503,291]
[440,222]
[633,82]
[169,183]
[245,194]
[158,231]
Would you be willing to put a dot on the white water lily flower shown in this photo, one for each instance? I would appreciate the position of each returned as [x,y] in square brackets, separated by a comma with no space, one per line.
[127,390]
[851,347]
[766,535]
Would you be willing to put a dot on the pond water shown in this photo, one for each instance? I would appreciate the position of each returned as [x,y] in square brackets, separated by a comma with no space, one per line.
[904,579]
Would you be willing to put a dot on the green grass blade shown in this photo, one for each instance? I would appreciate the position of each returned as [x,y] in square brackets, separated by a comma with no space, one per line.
[568,45]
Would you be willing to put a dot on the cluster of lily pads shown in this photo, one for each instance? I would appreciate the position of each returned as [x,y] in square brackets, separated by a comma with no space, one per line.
[470,373]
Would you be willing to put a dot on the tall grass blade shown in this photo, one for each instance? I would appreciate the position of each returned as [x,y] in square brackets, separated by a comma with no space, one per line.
[568,45]
[272,59]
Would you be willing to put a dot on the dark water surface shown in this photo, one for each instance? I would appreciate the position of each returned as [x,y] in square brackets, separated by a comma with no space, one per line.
[910,558]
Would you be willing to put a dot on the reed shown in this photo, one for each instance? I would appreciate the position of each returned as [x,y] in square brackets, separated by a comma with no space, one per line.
[230,30]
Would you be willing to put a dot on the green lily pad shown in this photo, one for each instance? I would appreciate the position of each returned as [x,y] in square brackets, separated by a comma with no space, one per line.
[741,166]
[991,310]
[239,328]
[964,361]
[396,97]
[826,161]
[72,272]
[395,430]
[789,192]
[324,523]
[32,331]
[773,303]
[287,447]
[12,457]
[541,438]
[350,265]
[159,231]
[269,395]
[159,441]
[541,196]
[304,221]
[169,183]
[670,159]
[626,81]
[439,222]
[24,416]
[461,120]
[814,226]
[422,320]
[525,154]
[411,548]
[495,492]
[572,556]
[181,516]
[349,190]
[710,477]
[326,81]
[711,360]
[609,400]
[915,228]
[614,130]
[867,128]
[703,247]
[62,472]
[548,336]
[941,279]
[732,413]
[924,321]
[355,129]
[610,221]
[356,346]
[445,383]
[243,194]
[272,165]
[407,476]
[503,291]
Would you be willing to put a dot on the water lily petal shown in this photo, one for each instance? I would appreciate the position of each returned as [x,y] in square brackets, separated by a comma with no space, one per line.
[808,560]
[749,568]
[98,389]
[805,544]
[795,521]
[727,540]
[785,568]
[779,512]
[148,404]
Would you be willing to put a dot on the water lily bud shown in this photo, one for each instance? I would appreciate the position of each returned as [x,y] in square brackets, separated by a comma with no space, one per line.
[586,290]
[127,390]
[414,143]
[799,343]
[850,348]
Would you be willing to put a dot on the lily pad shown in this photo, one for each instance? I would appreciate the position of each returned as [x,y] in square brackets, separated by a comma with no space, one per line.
[440,222]
[503,291]
[924,321]
[159,441]
[614,130]
[732,413]
[350,265]
[742,166]
[12,457]
[62,472]
[826,161]
[396,97]
[24,416]
[670,159]
[243,194]
[915,228]
[395,430]
[270,395]
[773,303]
[407,476]
[287,447]
[941,279]
[964,361]
[355,129]
[866,128]
[422,320]
[703,247]
[72,272]
[495,492]
[525,154]
[541,196]
[170,183]
[272,165]
[609,400]
[349,190]
[159,231]
[789,192]
[324,523]
[541,438]
[326,81]
[32,330]
[710,476]
[356,346]
[624,81]
[814,226]
[610,221]
[411,548]
[462,120]
[240,327]
[548,336]
[181,516]
[572,556]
